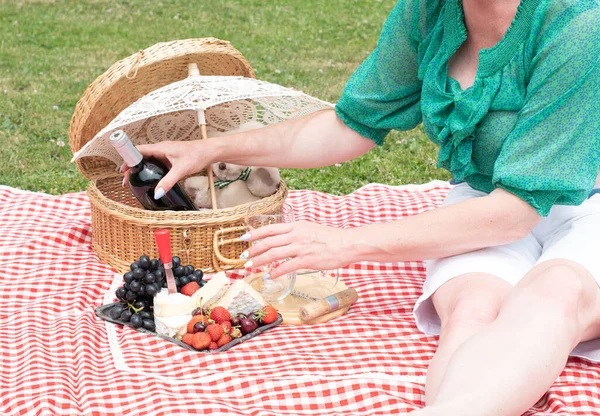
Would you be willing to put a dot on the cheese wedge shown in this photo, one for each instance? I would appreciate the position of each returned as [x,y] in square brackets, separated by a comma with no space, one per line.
[212,290]
[175,304]
[241,298]
[172,326]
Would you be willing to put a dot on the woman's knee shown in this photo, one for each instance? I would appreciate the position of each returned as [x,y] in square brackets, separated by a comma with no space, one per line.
[558,286]
[470,301]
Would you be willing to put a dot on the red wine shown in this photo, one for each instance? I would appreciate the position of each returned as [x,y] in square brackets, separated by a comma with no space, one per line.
[144,175]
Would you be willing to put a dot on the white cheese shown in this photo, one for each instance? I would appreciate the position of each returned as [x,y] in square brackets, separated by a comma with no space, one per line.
[172,326]
[175,304]
[212,290]
[241,298]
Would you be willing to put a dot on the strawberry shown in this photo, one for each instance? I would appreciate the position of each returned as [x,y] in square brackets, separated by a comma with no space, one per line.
[190,289]
[215,331]
[187,339]
[219,314]
[268,314]
[226,326]
[192,322]
[235,332]
[225,339]
[200,340]
[213,346]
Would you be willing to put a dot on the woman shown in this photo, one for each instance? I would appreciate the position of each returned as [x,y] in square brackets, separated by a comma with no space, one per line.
[509,91]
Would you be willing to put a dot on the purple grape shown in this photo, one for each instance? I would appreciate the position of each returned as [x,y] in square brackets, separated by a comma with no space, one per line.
[148,324]
[135,286]
[136,320]
[149,278]
[138,274]
[139,304]
[120,293]
[144,262]
[189,269]
[134,265]
[116,311]
[154,263]
[152,289]
[178,271]
[125,315]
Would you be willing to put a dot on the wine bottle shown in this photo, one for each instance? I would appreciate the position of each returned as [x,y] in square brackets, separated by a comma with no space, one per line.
[144,175]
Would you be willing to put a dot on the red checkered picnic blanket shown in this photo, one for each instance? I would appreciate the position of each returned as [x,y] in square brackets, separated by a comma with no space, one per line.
[58,358]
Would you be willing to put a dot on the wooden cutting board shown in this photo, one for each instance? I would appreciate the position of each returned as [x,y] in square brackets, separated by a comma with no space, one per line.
[316,285]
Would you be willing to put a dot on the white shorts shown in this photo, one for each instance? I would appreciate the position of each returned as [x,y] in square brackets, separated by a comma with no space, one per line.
[568,232]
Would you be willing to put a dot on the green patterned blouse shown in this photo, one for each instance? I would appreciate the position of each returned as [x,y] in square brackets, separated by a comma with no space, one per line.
[530,124]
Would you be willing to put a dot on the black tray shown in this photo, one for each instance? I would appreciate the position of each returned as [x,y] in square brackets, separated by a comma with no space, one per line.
[102,313]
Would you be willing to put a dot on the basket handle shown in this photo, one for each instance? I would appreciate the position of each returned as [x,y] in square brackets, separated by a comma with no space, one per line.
[219,242]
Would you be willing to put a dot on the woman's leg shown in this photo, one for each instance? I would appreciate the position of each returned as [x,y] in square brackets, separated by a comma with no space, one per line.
[507,366]
[465,305]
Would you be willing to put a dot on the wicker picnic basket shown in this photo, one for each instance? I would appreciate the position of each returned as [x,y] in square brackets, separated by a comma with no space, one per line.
[121,229]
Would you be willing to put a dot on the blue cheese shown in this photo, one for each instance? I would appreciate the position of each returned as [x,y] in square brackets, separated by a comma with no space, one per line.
[241,298]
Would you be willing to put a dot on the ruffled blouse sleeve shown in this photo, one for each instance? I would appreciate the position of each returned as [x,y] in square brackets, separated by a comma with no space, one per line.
[552,155]
[384,92]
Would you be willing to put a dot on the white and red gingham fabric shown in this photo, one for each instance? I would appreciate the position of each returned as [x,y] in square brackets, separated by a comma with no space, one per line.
[58,358]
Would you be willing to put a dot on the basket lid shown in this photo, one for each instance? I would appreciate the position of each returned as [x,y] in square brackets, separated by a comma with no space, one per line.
[137,75]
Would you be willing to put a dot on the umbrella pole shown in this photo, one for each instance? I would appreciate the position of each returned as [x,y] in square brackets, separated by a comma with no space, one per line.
[211,179]
[193,71]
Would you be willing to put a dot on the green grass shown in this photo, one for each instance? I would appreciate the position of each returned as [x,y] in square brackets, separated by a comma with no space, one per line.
[51,50]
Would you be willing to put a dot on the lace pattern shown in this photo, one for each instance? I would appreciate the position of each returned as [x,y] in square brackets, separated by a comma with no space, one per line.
[171,112]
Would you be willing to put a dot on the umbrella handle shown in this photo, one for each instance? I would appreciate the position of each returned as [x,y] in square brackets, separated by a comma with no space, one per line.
[211,179]
[194,71]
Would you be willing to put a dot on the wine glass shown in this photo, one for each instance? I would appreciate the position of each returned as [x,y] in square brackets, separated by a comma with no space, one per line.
[327,279]
[260,215]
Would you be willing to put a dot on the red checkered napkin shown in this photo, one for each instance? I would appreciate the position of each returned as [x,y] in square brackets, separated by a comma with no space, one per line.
[58,358]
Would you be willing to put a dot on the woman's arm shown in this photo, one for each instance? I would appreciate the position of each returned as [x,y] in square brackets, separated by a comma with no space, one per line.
[495,219]
[313,141]
[316,140]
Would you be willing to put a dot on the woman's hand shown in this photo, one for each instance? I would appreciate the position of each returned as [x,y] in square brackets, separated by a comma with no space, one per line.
[307,245]
[182,158]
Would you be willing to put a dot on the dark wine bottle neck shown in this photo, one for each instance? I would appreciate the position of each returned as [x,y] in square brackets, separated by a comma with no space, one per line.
[131,156]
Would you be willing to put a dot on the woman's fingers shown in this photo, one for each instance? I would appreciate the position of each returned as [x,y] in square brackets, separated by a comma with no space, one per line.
[265,245]
[170,179]
[126,178]
[272,255]
[268,231]
[157,151]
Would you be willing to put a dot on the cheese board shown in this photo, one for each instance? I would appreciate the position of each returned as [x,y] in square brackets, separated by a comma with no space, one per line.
[310,286]
[103,313]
